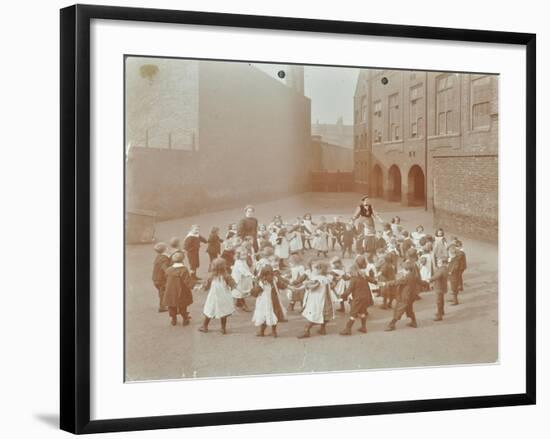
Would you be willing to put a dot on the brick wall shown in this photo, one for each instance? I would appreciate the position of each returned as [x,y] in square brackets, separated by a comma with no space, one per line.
[253,138]
[465,190]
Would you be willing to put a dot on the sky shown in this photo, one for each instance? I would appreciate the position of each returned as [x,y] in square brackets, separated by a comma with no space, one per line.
[330,89]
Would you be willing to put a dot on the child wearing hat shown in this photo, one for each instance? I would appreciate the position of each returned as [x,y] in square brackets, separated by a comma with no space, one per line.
[174,247]
[268,310]
[439,280]
[160,264]
[219,302]
[406,295]
[178,296]
[461,263]
[454,273]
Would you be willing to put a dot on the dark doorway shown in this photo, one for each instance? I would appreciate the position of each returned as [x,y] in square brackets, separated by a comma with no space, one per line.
[416,194]
[394,184]
[377,182]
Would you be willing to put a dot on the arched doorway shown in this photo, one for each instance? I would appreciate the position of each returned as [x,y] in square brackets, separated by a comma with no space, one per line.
[394,183]
[377,182]
[416,194]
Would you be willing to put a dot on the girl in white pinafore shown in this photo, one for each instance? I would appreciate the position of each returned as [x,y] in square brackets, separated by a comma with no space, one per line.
[295,240]
[318,309]
[280,243]
[219,302]
[268,311]
[243,277]
[320,242]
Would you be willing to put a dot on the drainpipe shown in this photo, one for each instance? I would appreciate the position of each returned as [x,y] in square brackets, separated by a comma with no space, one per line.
[426,142]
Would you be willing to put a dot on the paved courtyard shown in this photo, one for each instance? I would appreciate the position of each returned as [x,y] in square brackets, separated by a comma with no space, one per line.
[156,350]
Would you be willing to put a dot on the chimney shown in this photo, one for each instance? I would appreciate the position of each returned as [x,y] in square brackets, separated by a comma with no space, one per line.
[295,78]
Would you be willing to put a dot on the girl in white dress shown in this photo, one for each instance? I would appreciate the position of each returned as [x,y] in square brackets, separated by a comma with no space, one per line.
[281,245]
[318,309]
[268,310]
[295,240]
[320,243]
[243,278]
[417,235]
[309,229]
[219,302]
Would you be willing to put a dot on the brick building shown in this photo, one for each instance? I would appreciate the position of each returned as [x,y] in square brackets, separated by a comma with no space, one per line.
[204,135]
[454,169]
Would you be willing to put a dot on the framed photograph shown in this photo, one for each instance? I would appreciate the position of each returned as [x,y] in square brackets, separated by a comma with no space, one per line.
[276,218]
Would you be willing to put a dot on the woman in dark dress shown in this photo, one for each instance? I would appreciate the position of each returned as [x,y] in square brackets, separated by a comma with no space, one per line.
[365,214]
[248,226]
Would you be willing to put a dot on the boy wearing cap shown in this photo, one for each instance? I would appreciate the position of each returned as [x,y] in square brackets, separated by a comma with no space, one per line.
[461,263]
[454,273]
[439,280]
[406,295]
[178,294]
[160,264]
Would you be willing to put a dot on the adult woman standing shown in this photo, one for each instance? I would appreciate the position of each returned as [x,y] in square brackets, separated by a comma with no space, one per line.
[248,226]
[365,214]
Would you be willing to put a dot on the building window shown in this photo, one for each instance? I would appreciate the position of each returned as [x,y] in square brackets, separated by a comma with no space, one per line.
[416,110]
[480,99]
[394,121]
[445,101]
[377,121]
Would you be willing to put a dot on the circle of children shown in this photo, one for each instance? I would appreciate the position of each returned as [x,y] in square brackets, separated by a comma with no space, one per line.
[289,262]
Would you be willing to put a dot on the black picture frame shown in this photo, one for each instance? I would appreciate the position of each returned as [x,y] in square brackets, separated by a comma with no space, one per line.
[75,217]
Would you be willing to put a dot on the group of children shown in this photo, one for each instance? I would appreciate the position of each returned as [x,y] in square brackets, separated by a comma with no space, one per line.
[288,263]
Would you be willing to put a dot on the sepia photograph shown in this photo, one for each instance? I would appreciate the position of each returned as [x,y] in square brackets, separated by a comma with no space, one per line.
[302,219]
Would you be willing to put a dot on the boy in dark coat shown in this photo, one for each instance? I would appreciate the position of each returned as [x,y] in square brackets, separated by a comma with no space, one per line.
[387,274]
[380,241]
[455,273]
[461,263]
[406,244]
[362,296]
[346,240]
[178,294]
[406,295]
[214,247]
[439,280]
[337,229]
[160,264]
[191,245]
